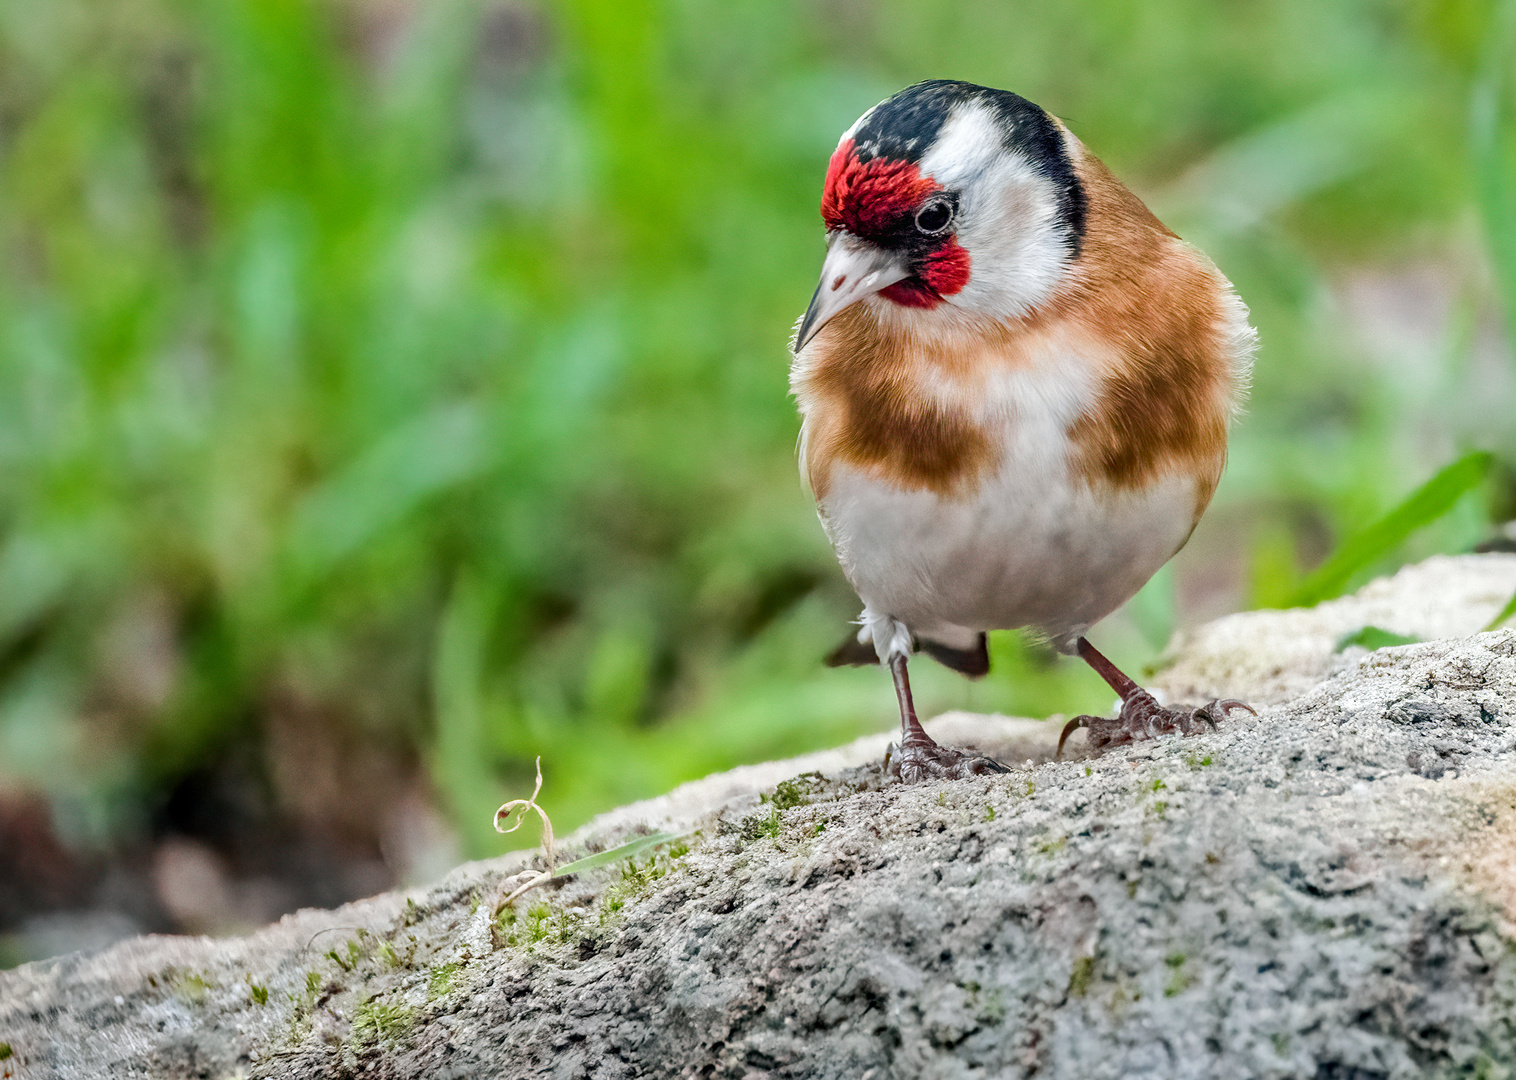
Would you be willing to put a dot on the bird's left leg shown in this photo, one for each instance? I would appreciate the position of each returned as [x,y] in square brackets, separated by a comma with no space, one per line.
[1141,716]
[920,757]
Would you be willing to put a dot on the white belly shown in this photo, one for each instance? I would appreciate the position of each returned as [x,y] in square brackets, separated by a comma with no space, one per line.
[1032,547]
[1034,544]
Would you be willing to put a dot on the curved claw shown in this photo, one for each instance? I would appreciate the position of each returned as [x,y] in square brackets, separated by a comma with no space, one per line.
[932,762]
[1068,729]
[1224,707]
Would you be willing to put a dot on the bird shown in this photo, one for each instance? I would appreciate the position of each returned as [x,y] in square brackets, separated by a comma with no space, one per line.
[1015,386]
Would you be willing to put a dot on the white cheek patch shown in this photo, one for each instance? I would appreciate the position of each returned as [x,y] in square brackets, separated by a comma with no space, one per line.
[1018,247]
[1008,215]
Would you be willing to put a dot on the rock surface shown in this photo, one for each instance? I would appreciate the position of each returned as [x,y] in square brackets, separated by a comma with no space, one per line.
[1323,891]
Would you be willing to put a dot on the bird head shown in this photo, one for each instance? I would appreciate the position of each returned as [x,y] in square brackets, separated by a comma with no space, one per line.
[948,199]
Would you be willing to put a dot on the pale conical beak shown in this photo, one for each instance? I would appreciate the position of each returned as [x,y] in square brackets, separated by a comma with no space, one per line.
[853,269]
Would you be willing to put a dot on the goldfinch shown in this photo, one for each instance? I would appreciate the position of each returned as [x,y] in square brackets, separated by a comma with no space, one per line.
[1015,386]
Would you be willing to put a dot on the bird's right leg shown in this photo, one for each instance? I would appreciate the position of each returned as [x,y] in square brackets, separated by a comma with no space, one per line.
[1141,717]
[920,756]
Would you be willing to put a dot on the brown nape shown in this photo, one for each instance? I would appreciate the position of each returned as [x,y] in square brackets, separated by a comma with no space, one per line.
[876,419]
[1164,404]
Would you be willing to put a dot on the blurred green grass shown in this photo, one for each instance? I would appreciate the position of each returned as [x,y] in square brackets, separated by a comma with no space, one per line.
[417,369]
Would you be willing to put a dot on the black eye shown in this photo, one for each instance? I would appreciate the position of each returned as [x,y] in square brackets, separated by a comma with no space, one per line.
[934,217]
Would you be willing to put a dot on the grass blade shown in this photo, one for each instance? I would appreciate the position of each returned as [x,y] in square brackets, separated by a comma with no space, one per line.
[1493,130]
[1424,505]
[1505,613]
[1372,638]
[629,850]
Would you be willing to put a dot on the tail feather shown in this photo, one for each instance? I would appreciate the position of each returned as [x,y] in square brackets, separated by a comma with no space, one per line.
[852,653]
[972,662]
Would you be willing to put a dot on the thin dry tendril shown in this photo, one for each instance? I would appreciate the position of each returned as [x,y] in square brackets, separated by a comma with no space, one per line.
[505,811]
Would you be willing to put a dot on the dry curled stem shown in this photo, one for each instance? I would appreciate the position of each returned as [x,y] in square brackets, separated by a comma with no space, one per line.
[542,876]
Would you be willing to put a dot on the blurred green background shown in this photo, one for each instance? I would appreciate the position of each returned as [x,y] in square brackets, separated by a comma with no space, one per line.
[392,391]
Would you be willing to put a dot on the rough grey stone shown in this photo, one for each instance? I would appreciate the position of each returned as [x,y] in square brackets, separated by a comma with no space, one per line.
[1322,891]
[1273,656]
